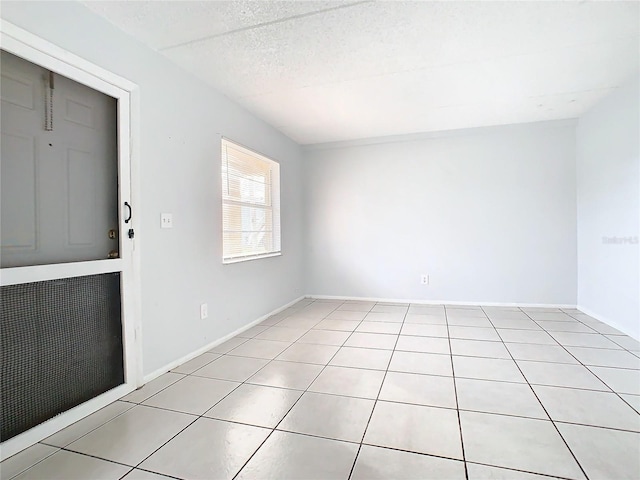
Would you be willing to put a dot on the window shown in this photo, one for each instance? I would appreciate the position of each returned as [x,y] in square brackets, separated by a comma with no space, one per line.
[250,204]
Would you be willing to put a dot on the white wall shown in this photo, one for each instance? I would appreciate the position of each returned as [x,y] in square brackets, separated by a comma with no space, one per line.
[608,152]
[181,123]
[489,214]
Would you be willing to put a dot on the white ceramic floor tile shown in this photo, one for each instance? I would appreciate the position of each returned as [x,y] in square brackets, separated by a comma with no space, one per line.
[340,325]
[526,336]
[347,315]
[473,333]
[424,330]
[425,319]
[309,353]
[592,340]
[353,382]
[354,306]
[132,436]
[207,449]
[409,343]
[633,400]
[540,353]
[587,407]
[137,474]
[425,363]
[153,387]
[384,317]
[379,327]
[253,331]
[72,466]
[535,311]
[479,348]
[371,340]
[373,359]
[426,309]
[235,369]
[331,416]
[196,363]
[303,323]
[229,345]
[375,463]
[282,334]
[297,376]
[308,458]
[619,379]
[453,312]
[603,328]
[273,320]
[574,326]
[255,405]
[600,357]
[325,337]
[28,457]
[430,390]
[509,323]
[625,342]
[194,395]
[267,349]
[484,472]
[548,316]
[382,308]
[498,397]
[519,443]
[513,314]
[560,375]
[415,428]
[82,427]
[603,453]
[487,369]
[469,322]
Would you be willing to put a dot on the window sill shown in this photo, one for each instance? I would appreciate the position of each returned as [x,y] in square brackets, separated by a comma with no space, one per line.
[247,259]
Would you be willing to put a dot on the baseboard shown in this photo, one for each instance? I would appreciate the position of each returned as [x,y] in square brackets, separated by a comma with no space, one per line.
[609,322]
[215,343]
[441,302]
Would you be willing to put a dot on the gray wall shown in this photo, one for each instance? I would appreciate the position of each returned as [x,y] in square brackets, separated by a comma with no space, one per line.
[608,153]
[488,213]
[181,119]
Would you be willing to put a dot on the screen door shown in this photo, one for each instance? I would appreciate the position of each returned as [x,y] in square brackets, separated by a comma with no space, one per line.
[61,340]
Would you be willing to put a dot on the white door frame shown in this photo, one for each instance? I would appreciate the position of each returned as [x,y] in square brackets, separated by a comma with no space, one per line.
[30,47]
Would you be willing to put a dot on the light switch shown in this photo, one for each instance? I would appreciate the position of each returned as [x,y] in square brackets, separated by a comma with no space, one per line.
[166,220]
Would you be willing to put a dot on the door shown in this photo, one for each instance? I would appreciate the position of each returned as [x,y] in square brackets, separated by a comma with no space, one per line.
[65,265]
[59,168]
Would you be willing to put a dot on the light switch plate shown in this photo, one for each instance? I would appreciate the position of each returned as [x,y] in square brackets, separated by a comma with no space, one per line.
[166,220]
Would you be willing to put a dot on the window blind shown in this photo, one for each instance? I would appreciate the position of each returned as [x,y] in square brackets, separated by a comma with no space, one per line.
[250,204]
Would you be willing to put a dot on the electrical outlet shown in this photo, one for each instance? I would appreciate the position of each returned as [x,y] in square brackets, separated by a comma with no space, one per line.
[166,220]
[204,311]
[424,279]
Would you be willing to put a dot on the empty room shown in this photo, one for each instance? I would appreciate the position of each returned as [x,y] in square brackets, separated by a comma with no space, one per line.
[300,239]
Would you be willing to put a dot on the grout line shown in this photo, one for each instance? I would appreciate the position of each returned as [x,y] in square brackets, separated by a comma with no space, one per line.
[546,412]
[455,390]
[339,347]
[375,403]
[296,402]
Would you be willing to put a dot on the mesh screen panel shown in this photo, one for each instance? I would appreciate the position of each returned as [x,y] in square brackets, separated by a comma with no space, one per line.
[60,345]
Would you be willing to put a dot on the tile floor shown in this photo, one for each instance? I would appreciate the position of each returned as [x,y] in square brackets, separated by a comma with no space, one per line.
[363,390]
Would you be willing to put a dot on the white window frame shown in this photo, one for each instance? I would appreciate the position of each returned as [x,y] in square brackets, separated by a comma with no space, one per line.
[272,205]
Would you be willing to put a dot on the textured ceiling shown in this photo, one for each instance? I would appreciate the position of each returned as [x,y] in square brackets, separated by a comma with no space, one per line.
[325,71]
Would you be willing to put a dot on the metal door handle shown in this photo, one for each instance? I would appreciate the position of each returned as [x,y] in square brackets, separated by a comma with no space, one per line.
[128,219]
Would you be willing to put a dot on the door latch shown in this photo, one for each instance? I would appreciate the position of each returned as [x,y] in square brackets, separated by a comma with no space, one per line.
[131,233]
